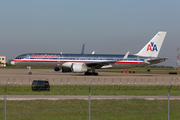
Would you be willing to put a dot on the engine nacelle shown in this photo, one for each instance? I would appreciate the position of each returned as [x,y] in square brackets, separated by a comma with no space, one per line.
[79,67]
[67,65]
[74,67]
[56,69]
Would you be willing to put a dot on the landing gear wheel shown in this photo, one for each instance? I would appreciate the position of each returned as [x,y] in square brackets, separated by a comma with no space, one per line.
[95,74]
[87,73]
[30,73]
[91,73]
[29,67]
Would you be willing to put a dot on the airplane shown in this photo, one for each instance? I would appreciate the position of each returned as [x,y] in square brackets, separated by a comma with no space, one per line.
[87,63]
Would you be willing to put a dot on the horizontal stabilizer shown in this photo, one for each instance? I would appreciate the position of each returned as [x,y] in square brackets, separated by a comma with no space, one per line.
[154,61]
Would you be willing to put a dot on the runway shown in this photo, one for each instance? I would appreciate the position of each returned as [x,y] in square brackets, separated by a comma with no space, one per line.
[21,77]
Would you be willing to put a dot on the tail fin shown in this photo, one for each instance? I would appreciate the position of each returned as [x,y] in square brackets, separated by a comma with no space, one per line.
[82,51]
[152,48]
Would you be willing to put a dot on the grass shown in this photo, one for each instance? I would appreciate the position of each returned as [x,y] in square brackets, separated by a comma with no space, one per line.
[124,109]
[133,109]
[95,90]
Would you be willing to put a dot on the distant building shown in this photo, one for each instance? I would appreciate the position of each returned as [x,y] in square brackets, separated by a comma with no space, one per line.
[3,59]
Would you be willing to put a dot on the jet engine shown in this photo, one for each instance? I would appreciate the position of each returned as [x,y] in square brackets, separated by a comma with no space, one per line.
[79,67]
[67,67]
[56,69]
[74,67]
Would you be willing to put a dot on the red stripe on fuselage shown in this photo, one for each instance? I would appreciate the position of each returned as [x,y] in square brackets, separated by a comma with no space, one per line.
[128,61]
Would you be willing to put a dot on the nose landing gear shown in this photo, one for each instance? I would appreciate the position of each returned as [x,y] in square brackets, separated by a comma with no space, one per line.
[29,71]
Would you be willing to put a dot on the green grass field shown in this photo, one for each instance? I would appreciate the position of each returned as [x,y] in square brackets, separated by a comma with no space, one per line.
[127,109]
[95,90]
[134,109]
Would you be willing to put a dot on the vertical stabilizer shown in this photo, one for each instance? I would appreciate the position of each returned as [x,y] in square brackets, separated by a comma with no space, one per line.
[82,51]
[152,48]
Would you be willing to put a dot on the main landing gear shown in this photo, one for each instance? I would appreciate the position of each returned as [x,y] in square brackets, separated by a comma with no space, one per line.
[29,67]
[91,73]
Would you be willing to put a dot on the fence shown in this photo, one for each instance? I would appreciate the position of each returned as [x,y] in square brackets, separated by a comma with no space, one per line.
[97,99]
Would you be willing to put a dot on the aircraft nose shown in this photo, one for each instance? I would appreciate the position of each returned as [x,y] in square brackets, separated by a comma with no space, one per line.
[12,62]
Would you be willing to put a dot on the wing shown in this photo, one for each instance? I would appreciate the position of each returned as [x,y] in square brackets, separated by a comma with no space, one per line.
[99,64]
[105,64]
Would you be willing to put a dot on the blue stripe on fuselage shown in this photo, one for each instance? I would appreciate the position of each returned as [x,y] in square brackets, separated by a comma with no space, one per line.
[113,57]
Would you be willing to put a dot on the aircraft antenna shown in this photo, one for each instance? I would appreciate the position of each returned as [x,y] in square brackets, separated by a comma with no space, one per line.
[177,58]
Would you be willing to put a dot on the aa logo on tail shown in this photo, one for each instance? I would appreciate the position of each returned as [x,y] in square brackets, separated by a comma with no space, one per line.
[152,47]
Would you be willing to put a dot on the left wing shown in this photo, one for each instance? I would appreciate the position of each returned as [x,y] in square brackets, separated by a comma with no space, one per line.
[105,63]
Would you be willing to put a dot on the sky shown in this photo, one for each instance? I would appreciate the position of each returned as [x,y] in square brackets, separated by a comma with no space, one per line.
[104,26]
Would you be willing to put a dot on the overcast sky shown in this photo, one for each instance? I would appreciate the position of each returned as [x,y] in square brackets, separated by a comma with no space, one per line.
[104,26]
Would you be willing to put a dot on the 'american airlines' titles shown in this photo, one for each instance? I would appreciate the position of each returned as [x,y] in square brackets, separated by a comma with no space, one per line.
[44,56]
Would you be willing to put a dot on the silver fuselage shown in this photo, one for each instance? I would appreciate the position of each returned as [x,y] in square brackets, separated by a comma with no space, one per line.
[57,60]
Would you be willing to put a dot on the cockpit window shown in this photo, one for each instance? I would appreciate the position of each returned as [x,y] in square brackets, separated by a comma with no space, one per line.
[18,58]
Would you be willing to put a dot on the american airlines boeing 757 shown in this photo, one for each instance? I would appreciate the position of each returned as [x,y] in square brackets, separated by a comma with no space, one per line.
[87,63]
